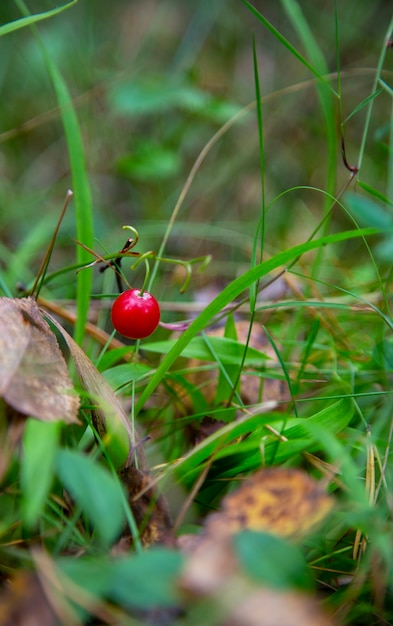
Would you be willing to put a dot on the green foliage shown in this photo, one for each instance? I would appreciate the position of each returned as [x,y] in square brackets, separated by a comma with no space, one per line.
[272,561]
[40,447]
[130,581]
[95,491]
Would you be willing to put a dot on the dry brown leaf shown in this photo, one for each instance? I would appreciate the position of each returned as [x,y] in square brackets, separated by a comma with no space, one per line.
[149,508]
[286,502]
[24,603]
[109,417]
[34,378]
[268,607]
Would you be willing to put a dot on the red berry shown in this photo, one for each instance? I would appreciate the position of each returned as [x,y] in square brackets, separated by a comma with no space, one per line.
[135,315]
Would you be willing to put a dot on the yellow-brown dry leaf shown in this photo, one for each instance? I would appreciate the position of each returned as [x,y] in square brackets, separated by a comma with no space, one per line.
[34,378]
[285,502]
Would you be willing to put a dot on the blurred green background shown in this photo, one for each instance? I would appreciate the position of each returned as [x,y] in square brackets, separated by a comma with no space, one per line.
[152,82]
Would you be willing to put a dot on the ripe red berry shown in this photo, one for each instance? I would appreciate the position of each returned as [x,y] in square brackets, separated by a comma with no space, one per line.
[135,315]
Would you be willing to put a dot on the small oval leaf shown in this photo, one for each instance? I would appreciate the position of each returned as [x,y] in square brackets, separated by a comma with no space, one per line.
[98,493]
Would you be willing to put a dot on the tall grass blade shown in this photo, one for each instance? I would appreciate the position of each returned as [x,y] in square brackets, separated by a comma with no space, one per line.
[80,182]
[33,19]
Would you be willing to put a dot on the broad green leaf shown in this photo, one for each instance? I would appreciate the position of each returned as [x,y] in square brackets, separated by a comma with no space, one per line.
[150,161]
[121,375]
[383,354]
[40,442]
[161,94]
[33,19]
[95,490]
[368,212]
[229,351]
[333,418]
[271,560]
[145,580]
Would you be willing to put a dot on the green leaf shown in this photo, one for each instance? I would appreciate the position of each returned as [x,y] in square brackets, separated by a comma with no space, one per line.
[229,351]
[98,493]
[383,354]
[40,442]
[272,561]
[145,580]
[375,193]
[162,94]
[362,104]
[121,375]
[150,161]
[33,19]
[368,212]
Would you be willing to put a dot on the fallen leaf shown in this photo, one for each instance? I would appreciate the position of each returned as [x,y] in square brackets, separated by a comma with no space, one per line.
[149,508]
[269,607]
[286,502]
[24,603]
[279,501]
[34,378]
[109,418]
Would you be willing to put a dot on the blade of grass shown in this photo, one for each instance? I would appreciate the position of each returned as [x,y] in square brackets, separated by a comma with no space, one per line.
[324,89]
[334,418]
[232,291]
[80,182]
[370,106]
[33,19]
[287,44]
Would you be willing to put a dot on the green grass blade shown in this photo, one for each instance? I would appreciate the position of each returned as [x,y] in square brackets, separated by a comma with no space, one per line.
[33,19]
[80,183]
[370,104]
[325,92]
[40,444]
[287,44]
[334,418]
[232,291]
